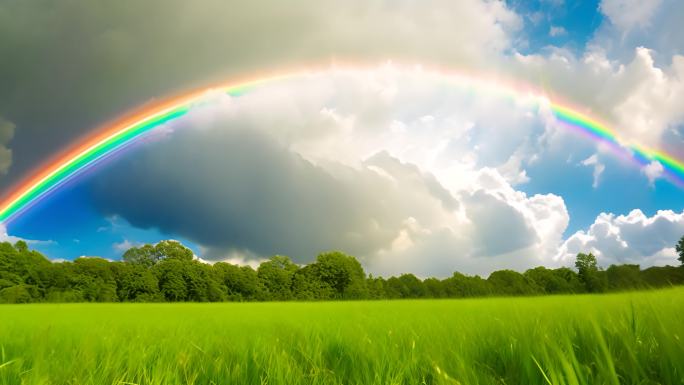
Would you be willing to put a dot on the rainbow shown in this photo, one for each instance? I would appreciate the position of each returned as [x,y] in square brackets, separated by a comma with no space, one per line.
[112,138]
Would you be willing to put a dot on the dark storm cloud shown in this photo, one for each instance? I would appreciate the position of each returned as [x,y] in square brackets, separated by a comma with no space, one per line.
[507,230]
[235,189]
[69,66]
[6,134]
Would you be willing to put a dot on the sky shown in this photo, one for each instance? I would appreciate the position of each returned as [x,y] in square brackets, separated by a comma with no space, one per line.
[371,149]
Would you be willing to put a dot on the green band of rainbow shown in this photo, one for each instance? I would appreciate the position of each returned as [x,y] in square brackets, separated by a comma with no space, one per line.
[115,137]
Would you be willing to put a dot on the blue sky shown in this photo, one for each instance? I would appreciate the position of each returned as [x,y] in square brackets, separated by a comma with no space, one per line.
[383,163]
[560,23]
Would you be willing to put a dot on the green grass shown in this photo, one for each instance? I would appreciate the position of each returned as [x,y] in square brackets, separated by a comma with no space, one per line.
[631,338]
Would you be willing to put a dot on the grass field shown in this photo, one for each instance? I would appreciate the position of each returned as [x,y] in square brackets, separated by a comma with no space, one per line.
[632,338]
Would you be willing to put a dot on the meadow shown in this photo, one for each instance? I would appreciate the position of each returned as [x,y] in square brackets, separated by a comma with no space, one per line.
[626,338]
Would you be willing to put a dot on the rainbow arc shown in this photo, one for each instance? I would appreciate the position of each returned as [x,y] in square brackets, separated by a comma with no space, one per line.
[112,138]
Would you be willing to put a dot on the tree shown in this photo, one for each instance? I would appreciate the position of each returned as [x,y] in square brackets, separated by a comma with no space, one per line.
[144,256]
[562,280]
[307,284]
[241,282]
[171,276]
[680,250]
[589,273]
[624,277]
[173,250]
[17,294]
[21,246]
[94,278]
[376,288]
[434,288]
[343,273]
[136,283]
[406,286]
[509,282]
[276,276]
[149,255]
[459,285]
[660,276]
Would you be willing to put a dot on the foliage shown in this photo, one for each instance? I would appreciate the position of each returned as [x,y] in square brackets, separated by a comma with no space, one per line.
[276,274]
[589,273]
[150,255]
[680,249]
[167,272]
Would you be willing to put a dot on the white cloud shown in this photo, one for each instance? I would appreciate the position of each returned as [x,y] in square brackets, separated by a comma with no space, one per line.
[499,228]
[557,31]
[124,245]
[653,171]
[599,168]
[387,164]
[639,100]
[629,14]
[4,237]
[442,165]
[631,238]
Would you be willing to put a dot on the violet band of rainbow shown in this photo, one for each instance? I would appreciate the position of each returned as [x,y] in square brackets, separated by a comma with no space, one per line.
[83,157]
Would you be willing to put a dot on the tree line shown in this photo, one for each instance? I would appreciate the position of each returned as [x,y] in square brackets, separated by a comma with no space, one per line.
[168,272]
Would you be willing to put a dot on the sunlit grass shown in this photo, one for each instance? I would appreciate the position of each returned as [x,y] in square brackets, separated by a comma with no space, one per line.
[608,339]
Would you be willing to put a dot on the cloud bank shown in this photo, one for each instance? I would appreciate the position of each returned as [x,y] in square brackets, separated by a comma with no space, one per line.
[632,238]
[397,168]
[389,165]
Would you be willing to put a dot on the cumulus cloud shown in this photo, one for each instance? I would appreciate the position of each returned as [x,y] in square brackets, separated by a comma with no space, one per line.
[377,163]
[499,228]
[408,174]
[633,94]
[4,237]
[629,14]
[653,171]
[632,238]
[639,99]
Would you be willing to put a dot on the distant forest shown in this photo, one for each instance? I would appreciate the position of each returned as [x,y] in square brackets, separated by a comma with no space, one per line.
[167,272]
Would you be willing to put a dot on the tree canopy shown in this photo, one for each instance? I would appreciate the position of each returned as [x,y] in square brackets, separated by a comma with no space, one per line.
[169,272]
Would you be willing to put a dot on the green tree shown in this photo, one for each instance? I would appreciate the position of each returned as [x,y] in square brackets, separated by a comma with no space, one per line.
[662,276]
[149,255]
[343,273]
[589,273]
[376,288]
[405,286]
[624,277]
[276,276]
[173,250]
[509,282]
[94,278]
[17,294]
[460,285]
[434,288]
[171,276]
[307,284]
[21,246]
[144,256]
[555,281]
[241,282]
[680,250]
[136,283]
